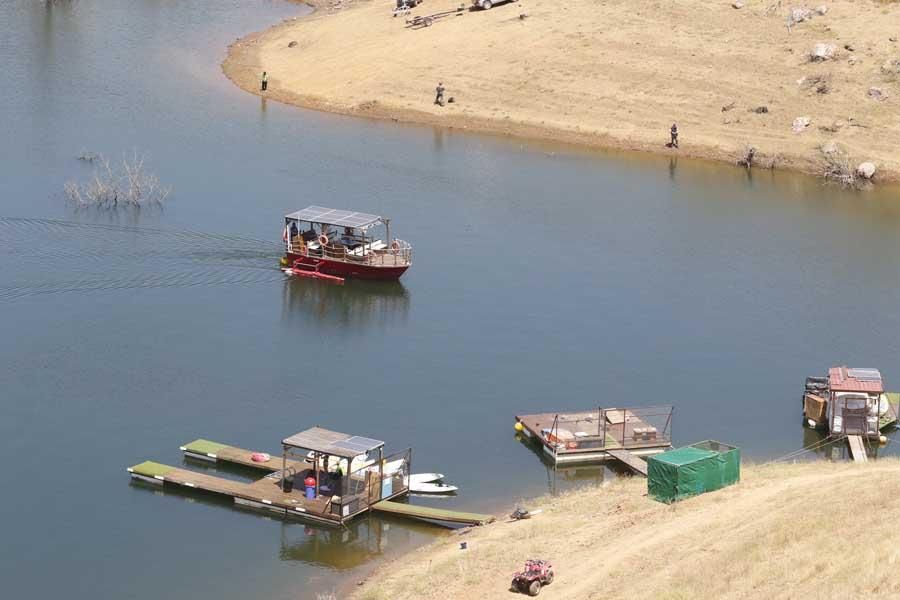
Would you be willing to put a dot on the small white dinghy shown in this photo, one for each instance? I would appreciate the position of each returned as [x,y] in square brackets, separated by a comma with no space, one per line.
[425,477]
[431,488]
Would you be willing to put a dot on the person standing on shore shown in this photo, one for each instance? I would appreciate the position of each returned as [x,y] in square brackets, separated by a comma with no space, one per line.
[439,94]
[674,132]
[264,83]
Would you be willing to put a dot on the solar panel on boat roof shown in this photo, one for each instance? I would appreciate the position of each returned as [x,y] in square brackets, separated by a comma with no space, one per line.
[333,216]
[358,444]
[865,374]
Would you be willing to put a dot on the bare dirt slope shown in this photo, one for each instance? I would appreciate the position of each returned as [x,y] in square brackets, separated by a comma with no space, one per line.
[603,72]
[817,530]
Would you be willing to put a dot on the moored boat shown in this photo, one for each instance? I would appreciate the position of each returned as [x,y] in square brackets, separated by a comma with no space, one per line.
[335,243]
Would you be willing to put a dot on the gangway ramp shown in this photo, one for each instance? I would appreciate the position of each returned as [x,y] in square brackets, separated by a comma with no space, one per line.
[630,460]
[857,448]
[432,514]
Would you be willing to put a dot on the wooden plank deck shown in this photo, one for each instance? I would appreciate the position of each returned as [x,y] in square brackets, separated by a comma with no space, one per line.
[630,460]
[239,456]
[433,514]
[266,492]
[857,448]
[588,430]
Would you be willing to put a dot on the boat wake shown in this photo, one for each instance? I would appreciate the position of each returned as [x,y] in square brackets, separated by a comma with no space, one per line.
[47,256]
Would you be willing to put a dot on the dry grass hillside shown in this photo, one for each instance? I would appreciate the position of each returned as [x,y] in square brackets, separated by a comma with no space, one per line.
[606,73]
[815,530]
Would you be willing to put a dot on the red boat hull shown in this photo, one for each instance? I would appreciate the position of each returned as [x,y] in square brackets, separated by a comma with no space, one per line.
[347,269]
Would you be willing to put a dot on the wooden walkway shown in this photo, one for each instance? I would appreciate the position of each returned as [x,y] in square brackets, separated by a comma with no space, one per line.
[432,514]
[216,452]
[630,460]
[857,448]
[265,493]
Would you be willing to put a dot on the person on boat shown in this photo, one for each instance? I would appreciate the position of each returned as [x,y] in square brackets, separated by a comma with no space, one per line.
[294,230]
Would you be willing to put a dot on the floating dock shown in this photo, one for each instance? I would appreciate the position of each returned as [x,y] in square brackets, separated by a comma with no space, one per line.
[600,435]
[265,494]
[362,491]
[432,514]
[215,452]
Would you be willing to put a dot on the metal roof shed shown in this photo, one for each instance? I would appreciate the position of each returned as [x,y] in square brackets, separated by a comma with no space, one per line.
[332,443]
[844,379]
[326,443]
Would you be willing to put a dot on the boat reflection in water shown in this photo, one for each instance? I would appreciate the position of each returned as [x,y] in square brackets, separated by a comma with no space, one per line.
[343,548]
[820,445]
[353,306]
[560,479]
[355,544]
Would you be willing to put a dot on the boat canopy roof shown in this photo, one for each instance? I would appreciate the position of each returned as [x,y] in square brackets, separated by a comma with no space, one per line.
[333,216]
[843,379]
[332,443]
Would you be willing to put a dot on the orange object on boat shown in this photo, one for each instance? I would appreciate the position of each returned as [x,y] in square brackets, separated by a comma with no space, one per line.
[301,269]
[260,457]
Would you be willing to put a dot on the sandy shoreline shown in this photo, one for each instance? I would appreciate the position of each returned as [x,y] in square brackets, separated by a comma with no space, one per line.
[782,532]
[563,74]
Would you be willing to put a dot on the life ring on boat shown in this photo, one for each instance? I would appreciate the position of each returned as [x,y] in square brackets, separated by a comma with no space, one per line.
[323,240]
[571,445]
[260,457]
[395,247]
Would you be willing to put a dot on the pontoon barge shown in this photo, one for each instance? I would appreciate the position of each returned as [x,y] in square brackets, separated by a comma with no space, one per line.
[600,435]
[341,243]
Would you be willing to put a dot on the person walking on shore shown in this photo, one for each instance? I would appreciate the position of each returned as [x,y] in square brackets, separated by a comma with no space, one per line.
[439,94]
[264,83]
[674,132]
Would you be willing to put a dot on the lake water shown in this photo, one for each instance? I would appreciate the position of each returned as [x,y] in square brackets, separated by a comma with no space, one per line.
[544,278]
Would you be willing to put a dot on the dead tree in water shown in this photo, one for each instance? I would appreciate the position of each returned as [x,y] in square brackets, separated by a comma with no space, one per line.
[838,167]
[128,186]
[746,160]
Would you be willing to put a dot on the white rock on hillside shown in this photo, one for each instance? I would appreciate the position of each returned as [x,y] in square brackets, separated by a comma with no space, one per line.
[800,123]
[866,170]
[822,52]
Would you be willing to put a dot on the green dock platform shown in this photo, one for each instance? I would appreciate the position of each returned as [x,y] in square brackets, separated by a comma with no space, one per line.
[432,514]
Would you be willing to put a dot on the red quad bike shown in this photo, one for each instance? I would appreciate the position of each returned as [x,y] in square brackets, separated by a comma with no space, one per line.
[537,573]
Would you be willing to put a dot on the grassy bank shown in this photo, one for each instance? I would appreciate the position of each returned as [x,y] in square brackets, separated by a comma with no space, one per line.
[606,73]
[816,530]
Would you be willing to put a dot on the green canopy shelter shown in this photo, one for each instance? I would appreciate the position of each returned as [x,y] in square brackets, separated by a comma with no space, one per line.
[692,470]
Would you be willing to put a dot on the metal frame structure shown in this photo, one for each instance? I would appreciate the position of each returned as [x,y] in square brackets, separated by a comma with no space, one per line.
[359,488]
[605,431]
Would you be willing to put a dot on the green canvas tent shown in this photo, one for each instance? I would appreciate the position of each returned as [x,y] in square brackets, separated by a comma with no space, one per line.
[692,470]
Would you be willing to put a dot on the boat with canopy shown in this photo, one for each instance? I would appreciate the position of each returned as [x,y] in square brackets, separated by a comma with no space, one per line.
[332,244]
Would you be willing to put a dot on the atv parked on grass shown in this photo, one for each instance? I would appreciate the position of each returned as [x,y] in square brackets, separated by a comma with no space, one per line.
[537,573]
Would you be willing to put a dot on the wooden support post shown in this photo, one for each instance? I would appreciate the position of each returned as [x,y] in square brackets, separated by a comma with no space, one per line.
[283,467]
[380,471]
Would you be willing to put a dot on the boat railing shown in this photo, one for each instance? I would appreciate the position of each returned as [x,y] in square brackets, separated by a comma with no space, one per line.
[398,253]
[370,483]
[611,428]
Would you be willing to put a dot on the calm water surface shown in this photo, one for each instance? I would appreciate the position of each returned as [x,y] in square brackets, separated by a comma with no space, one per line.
[544,278]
